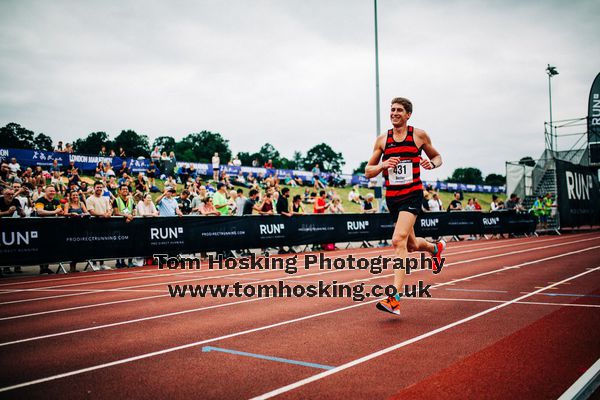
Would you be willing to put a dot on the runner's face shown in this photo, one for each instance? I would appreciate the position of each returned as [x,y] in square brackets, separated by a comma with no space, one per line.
[398,115]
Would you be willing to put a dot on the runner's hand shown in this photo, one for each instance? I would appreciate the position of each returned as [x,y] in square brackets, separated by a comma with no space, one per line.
[425,163]
[390,163]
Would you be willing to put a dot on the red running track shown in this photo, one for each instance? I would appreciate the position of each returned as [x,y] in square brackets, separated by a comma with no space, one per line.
[511,318]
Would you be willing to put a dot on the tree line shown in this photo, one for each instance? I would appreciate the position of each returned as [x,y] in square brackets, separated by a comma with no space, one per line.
[195,147]
[201,146]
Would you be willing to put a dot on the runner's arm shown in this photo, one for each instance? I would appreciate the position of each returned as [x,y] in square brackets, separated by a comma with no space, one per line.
[435,158]
[374,167]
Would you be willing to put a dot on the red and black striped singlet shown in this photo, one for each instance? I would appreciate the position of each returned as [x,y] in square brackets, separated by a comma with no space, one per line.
[401,183]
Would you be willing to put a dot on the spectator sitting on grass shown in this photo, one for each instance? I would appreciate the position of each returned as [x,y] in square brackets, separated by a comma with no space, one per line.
[58,183]
[298,180]
[336,206]
[14,168]
[40,175]
[208,208]
[183,173]
[167,205]
[140,184]
[124,170]
[251,179]
[74,179]
[368,207]
[99,172]
[225,179]
[55,167]
[85,189]
[289,181]
[146,208]
[477,205]
[170,183]
[192,172]
[37,193]
[354,195]
[108,170]
[113,186]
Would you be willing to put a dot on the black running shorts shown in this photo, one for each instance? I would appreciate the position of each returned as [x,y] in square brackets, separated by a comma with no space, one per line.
[411,204]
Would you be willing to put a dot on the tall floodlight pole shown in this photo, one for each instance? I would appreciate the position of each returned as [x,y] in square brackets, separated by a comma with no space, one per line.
[378,191]
[551,71]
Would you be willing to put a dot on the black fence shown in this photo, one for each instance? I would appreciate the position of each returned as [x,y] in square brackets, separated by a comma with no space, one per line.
[44,240]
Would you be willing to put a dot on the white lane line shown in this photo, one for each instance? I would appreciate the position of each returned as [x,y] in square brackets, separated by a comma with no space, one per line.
[536,303]
[80,290]
[415,339]
[109,303]
[235,334]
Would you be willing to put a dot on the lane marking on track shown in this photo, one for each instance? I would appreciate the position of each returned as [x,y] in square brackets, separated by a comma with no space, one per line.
[537,303]
[275,325]
[207,349]
[479,290]
[397,346]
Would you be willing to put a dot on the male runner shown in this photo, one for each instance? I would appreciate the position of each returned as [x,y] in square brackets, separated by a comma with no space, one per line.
[399,152]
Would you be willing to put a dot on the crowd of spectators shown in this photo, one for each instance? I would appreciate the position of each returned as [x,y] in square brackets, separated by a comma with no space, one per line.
[115,191]
[61,191]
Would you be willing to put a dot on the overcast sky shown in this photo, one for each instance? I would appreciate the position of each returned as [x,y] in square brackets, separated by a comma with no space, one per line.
[298,73]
